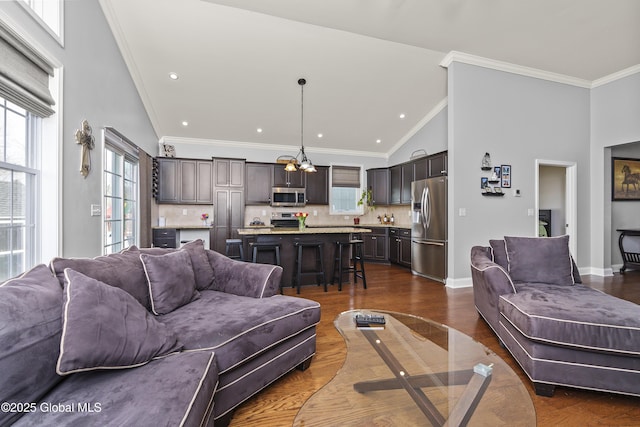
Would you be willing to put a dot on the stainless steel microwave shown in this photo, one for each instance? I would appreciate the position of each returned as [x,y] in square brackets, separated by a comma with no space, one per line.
[286,196]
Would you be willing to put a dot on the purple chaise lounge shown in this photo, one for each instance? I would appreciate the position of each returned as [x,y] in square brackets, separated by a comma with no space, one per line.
[561,332]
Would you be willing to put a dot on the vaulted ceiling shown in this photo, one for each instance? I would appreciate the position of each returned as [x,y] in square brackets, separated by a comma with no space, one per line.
[366,62]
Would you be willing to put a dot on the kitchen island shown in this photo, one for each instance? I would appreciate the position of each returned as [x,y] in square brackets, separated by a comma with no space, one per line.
[288,236]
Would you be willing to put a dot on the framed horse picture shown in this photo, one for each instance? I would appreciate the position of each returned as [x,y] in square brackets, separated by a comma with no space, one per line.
[625,179]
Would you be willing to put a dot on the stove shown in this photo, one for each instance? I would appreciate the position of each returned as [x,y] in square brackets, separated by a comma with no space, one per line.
[284,220]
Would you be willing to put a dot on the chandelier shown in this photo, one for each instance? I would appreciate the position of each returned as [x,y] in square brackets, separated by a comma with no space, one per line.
[292,163]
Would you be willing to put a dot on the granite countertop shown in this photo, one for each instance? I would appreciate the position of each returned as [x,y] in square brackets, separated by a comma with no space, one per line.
[308,230]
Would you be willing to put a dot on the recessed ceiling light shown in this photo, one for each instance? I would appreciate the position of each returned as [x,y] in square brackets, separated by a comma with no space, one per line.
[320,135]
[259,130]
[173,76]
[402,116]
[185,123]
[378,141]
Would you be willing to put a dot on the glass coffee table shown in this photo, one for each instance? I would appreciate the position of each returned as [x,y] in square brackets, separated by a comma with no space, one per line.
[413,371]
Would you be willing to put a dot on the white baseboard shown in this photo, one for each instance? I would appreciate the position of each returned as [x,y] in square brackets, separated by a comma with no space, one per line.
[465,282]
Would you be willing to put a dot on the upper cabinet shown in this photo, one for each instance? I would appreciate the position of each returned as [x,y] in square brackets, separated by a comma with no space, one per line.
[283,178]
[392,186]
[167,173]
[318,186]
[438,164]
[229,172]
[259,183]
[184,181]
[378,183]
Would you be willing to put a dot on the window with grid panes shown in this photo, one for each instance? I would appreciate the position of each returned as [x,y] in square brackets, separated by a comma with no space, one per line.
[19,177]
[120,194]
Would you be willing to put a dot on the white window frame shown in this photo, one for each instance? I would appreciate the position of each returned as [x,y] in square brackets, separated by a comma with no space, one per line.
[51,20]
[124,157]
[31,169]
[359,209]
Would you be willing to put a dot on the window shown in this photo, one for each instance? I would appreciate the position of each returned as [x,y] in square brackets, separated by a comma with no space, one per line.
[345,190]
[19,177]
[120,194]
[48,12]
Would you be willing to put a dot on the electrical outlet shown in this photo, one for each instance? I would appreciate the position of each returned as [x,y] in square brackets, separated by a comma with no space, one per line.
[530,212]
[184,212]
[96,210]
[264,212]
[315,213]
[462,212]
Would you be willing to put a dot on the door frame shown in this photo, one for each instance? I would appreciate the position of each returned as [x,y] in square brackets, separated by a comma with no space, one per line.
[571,199]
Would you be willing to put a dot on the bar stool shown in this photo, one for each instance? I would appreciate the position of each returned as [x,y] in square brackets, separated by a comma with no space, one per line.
[355,245]
[298,272]
[257,247]
[234,243]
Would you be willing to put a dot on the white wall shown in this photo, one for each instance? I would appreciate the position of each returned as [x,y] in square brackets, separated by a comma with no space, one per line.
[516,119]
[432,138]
[97,87]
[615,108]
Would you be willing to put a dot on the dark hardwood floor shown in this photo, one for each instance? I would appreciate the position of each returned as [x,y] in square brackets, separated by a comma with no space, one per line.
[396,289]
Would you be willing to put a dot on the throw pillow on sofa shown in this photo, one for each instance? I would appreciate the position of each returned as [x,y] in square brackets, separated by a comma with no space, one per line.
[122,270]
[202,269]
[540,259]
[171,280]
[104,327]
[30,328]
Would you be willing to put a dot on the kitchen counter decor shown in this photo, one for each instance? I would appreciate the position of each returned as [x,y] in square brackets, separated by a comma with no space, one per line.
[302,219]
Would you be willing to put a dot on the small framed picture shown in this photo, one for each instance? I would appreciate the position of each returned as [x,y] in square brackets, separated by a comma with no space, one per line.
[484,182]
[497,171]
[505,176]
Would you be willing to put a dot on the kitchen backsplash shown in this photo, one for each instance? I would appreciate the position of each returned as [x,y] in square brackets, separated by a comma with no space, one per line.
[182,215]
[189,215]
[319,215]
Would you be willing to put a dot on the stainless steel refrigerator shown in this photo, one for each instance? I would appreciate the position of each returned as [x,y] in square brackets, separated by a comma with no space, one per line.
[429,228]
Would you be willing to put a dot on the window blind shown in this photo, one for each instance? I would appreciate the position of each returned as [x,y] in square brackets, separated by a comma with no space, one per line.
[24,74]
[345,176]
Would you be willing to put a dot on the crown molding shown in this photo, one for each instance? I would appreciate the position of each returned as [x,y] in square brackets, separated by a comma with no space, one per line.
[266,147]
[616,76]
[455,56]
[422,123]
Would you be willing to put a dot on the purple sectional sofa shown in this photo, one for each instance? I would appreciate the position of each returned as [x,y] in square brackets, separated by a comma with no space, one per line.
[561,332]
[146,337]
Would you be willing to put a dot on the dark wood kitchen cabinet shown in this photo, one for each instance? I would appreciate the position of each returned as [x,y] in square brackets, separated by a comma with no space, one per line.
[406,180]
[168,175]
[378,182]
[196,182]
[229,172]
[283,178]
[184,181]
[259,183]
[375,244]
[317,191]
[400,246]
[400,178]
[228,203]
[438,164]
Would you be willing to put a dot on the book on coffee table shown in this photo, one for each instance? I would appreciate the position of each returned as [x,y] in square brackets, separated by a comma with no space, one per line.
[370,321]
